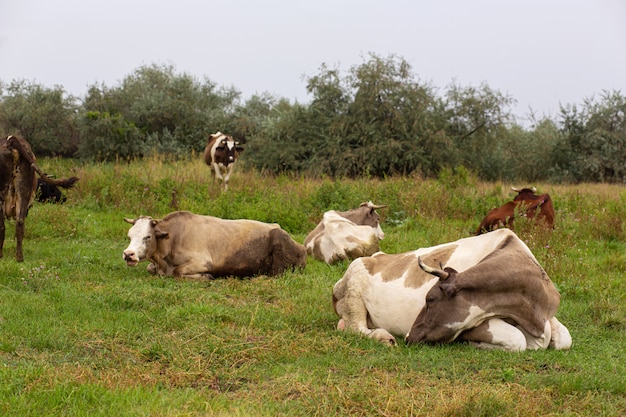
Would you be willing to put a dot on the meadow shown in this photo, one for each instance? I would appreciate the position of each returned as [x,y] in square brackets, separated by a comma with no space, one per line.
[82,334]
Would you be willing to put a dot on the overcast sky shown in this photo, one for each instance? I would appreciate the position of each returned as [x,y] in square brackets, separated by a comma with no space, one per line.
[541,52]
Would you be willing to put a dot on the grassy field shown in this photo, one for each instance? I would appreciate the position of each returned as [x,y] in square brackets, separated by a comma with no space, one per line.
[82,334]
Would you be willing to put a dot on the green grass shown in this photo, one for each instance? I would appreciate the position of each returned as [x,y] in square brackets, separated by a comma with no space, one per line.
[82,334]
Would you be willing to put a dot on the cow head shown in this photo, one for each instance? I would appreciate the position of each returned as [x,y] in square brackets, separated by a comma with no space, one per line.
[522,193]
[143,239]
[441,302]
[229,147]
[508,283]
[366,215]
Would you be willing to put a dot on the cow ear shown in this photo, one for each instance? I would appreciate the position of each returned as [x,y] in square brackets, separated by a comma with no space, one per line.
[239,148]
[131,221]
[450,290]
[161,235]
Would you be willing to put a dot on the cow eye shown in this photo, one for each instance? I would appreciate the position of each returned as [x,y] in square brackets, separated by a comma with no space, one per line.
[146,238]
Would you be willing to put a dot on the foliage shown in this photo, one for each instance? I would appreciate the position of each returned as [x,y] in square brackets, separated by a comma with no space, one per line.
[45,117]
[153,110]
[83,334]
[595,139]
[377,119]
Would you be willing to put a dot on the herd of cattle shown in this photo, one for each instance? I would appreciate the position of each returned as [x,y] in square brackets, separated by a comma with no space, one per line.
[487,289]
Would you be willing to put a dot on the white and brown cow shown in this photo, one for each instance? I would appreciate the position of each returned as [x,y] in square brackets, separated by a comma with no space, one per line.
[188,245]
[493,293]
[220,154]
[342,235]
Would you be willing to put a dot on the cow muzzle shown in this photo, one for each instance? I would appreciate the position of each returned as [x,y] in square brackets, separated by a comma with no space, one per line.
[131,258]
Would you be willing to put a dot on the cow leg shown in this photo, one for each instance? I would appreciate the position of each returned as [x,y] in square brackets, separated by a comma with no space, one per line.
[2,227]
[229,169]
[218,171]
[192,271]
[496,334]
[19,237]
[561,338]
[350,307]
[541,342]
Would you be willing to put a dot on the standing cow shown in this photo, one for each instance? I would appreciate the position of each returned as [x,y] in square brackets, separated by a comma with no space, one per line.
[220,154]
[188,245]
[526,203]
[342,235]
[18,185]
[492,293]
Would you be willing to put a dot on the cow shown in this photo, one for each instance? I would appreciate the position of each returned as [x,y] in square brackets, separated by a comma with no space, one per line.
[188,245]
[526,203]
[18,171]
[220,154]
[48,193]
[342,235]
[489,290]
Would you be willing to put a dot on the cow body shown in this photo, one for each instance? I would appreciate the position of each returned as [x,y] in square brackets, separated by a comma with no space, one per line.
[526,203]
[48,193]
[502,298]
[188,245]
[220,154]
[343,235]
[18,185]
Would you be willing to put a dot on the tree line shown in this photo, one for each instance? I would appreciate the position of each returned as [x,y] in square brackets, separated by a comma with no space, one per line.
[376,119]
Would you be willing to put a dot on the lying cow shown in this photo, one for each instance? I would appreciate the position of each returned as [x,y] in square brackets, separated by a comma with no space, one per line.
[188,245]
[220,155]
[526,203]
[18,171]
[345,235]
[492,293]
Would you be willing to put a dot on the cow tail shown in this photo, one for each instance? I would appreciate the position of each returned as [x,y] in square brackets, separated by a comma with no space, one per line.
[30,158]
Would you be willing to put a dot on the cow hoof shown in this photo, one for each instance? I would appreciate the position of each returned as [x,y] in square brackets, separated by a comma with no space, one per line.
[341,325]
[383,336]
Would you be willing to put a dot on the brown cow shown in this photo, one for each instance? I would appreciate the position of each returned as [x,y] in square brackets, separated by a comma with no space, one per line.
[187,245]
[18,185]
[526,202]
[220,154]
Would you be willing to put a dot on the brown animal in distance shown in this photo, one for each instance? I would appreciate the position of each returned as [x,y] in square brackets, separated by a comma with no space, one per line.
[527,203]
[18,184]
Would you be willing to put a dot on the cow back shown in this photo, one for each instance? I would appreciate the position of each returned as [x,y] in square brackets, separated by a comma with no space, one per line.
[227,247]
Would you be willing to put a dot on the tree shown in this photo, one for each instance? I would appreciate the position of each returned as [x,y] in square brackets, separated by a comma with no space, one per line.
[45,117]
[173,113]
[595,138]
[476,122]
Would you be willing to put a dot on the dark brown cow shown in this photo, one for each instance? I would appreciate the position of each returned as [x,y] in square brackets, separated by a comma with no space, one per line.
[220,154]
[526,202]
[187,245]
[18,185]
[48,193]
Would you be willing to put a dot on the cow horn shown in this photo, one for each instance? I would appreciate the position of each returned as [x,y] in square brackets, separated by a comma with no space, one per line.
[373,206]
[517,190]
[433,271]
[131,221]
